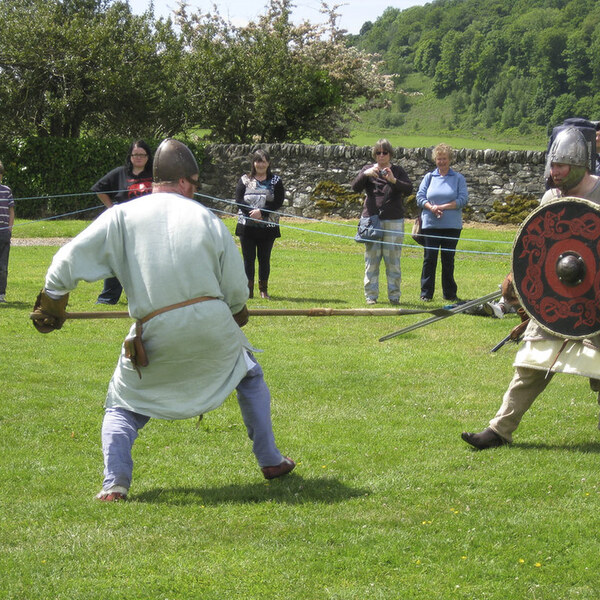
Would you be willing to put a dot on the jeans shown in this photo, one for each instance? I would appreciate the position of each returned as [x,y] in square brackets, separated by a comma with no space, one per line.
[111,292]
[4,252]
[121,426]
[390,250]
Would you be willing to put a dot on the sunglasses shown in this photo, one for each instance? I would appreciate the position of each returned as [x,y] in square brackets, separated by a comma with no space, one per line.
[381,152]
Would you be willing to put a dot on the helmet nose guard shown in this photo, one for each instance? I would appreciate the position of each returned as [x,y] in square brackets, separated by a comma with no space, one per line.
[173,161]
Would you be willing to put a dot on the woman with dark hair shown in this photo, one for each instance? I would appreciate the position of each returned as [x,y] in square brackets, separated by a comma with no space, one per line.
[258,195]
[131,180]
[384,184]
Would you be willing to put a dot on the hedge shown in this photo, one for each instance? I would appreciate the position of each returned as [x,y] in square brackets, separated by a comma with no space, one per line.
[53,176]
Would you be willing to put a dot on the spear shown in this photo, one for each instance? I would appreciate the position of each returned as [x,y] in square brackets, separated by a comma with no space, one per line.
[267,312]
[453,311]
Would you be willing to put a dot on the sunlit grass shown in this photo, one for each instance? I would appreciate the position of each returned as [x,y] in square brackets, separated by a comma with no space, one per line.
[387,502]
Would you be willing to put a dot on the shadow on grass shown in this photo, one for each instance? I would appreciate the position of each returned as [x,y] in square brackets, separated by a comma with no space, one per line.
[18,304]
[294,489]
[586,448]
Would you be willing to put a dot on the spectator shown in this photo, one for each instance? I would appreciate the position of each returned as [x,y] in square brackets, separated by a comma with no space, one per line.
[132,180]
[259,195]
[441,197]
[384,184]
[7,220]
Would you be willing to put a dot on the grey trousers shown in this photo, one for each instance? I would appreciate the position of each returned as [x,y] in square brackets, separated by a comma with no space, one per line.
[526,385]
[120,429]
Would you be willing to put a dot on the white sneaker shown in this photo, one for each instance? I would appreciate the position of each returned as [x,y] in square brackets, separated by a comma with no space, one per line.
[494,310]
[2,298]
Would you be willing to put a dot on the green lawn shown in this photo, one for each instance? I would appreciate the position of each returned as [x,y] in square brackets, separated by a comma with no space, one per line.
[386,502]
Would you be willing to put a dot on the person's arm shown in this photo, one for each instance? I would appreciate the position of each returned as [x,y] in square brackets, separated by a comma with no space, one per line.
[241,203]
[360,181]
[422,201]
[399,180]
[11,217]
[105,199]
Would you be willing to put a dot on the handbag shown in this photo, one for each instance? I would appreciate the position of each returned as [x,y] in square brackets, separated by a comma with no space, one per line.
[369,229]
[416,231]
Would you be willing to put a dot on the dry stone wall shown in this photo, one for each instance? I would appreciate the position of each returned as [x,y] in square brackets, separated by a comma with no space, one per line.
[317,178]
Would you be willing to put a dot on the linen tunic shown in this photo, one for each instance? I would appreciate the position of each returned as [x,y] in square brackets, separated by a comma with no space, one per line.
[164,249]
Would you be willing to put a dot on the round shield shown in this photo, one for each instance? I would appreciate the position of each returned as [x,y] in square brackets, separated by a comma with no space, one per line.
[556,267]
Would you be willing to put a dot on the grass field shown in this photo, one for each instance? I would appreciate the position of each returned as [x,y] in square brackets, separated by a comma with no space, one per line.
[386,502]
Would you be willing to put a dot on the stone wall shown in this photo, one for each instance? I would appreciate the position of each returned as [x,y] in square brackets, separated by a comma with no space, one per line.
[491,175]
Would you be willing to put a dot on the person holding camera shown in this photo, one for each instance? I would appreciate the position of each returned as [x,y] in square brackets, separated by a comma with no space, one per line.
[385,185]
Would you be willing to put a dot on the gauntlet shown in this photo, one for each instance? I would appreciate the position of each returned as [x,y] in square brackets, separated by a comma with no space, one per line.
[49,314]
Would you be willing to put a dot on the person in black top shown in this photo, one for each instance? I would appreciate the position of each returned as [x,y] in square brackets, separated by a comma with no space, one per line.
[384,184]
[131,180]
[258,195]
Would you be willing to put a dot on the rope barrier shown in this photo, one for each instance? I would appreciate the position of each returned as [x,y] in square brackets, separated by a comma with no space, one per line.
[281,214]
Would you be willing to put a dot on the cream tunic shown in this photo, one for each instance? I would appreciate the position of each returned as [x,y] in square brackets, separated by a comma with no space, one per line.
[542,350]
[165,248]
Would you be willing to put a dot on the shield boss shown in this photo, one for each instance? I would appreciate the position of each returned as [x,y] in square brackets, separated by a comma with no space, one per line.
[556,267]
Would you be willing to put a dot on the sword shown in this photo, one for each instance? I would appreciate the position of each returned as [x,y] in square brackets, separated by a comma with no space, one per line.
[262,312]
[448,313]
[501,343]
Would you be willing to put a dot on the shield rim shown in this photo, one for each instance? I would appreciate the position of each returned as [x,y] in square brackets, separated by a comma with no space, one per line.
[531,215]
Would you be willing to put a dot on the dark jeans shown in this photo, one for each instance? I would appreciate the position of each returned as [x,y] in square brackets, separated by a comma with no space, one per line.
[446,241]
[111,292]
[251,250]
[4,252]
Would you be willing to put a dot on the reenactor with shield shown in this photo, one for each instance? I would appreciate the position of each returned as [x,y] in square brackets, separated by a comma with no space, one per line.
[556,278]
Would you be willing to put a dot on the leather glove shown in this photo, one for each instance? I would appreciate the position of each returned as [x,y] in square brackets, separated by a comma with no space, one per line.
[242,317]
[49,314]
[517,332]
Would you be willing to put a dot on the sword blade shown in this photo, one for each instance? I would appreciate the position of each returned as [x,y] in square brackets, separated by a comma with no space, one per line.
[453,311]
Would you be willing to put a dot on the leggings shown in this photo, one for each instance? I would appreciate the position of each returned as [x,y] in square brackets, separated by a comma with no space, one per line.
[251,250]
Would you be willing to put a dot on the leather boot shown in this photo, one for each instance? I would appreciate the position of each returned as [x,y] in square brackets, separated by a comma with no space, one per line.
[262,286]
[250,288]
[483,440]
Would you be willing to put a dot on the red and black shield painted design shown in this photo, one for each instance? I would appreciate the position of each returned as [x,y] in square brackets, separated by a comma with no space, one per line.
[556,267]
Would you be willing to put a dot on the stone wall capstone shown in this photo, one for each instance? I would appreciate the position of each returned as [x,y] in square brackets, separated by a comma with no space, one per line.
[491,175]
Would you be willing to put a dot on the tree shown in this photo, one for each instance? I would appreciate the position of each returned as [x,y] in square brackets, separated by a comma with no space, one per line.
[84,65]
[275,81]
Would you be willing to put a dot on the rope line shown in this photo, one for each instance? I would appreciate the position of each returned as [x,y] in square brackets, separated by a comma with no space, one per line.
[280,213]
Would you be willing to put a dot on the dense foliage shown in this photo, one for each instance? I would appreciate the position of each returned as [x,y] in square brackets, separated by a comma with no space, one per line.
[502,63]
[73,67]
[273,80]
[52,176]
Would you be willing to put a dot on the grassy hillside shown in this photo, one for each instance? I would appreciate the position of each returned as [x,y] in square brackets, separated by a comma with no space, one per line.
[423,120]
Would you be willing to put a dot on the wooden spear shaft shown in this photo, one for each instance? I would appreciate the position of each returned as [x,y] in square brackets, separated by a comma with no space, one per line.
[270,312]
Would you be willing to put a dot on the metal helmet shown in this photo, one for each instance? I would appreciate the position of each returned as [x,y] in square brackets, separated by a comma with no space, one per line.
[173,161]
[569,148]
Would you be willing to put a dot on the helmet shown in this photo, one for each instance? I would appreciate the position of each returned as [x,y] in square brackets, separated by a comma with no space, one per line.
[173,161]
[569,148]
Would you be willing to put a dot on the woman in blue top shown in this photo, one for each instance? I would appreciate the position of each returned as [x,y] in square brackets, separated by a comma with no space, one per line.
[441,197]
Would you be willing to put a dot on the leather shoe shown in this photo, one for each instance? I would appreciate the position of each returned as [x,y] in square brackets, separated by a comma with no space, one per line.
[487,438]
[114,494]
[283,468]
